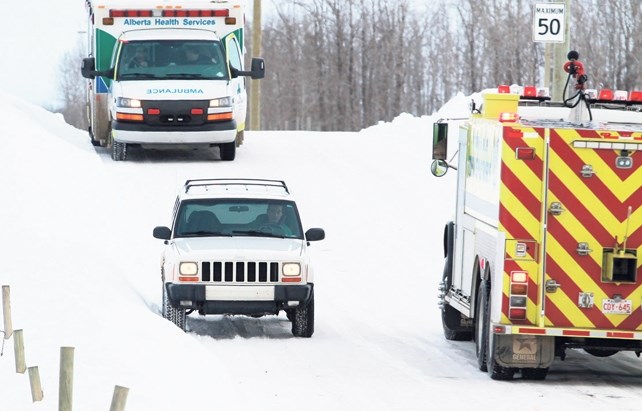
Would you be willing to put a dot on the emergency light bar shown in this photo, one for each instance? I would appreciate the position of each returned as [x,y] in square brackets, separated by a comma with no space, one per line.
[131,13]
[169,13]
[526,92]
[196,13]
[614,96]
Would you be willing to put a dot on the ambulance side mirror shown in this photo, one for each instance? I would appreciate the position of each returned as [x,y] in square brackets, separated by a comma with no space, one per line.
[258,68]
[88,69]
[257,72]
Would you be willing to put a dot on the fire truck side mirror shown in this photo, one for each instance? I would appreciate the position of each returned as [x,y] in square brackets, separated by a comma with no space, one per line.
[439,141]
[438,168]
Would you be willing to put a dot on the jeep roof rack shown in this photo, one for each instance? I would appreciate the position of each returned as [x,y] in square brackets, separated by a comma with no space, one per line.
[234,182]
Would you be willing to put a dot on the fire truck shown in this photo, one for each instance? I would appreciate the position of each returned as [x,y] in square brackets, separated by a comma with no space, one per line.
[542,253]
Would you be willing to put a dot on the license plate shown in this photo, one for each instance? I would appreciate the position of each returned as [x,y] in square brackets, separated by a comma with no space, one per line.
[616,306]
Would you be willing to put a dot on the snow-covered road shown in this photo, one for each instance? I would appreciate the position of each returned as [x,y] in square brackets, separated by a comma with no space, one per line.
[83,267]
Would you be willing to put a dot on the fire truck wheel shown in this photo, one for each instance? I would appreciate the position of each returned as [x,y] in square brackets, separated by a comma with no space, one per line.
[481,326]
[451,322]
[496,371]
[536,374]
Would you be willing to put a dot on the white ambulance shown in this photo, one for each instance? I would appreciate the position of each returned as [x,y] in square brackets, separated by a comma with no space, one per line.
[167,75]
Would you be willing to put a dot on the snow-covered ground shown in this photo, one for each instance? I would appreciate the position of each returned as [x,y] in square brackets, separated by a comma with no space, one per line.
[83,270]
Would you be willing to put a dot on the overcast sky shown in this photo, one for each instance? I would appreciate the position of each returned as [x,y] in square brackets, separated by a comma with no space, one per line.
[35,38]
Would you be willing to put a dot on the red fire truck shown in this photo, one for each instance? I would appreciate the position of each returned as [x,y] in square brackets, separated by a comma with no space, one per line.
[543,252]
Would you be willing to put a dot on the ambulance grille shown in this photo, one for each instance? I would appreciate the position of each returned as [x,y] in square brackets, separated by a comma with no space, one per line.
[240,271]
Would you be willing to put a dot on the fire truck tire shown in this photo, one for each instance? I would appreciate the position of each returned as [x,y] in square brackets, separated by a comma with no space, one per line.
[451,322]
[481,325]
[535,374]
[175,315]
[496,371]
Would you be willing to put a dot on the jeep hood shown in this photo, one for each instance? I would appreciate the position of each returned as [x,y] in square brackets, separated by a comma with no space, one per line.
[239,248]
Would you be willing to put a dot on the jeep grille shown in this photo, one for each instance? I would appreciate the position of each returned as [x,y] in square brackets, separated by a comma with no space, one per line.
[240,271]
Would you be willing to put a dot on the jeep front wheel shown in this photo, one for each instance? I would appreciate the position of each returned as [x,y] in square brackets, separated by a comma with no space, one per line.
[175,315]
[303,319]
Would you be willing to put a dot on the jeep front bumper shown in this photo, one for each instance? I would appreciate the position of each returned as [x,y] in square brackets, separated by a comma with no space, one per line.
[238,299]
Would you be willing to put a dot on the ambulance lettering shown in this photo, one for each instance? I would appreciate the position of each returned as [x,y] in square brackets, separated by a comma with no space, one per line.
[174,91]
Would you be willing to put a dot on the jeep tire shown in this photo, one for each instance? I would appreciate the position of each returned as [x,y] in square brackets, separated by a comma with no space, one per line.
[175,315]
[303,319]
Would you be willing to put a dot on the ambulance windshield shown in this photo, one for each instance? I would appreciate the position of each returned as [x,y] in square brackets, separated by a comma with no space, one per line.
[171,59]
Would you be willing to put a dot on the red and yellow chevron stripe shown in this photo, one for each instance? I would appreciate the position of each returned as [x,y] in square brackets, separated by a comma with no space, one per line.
[595,211]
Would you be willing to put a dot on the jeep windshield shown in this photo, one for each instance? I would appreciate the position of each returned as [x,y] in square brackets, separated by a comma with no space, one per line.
[171,60]
[238,217]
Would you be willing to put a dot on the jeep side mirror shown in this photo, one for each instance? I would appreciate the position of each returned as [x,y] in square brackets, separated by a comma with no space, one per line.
[162,233]
[315,234]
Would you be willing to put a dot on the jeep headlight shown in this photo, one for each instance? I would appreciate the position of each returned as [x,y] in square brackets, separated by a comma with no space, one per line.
[128,102]
[221,102]
[188,268]
[291,269]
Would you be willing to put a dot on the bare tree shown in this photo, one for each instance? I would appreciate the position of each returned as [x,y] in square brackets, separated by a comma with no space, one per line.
[73,87]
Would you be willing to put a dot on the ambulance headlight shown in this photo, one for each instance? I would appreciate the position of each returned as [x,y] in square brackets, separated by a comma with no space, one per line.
[221,102]
[127,102]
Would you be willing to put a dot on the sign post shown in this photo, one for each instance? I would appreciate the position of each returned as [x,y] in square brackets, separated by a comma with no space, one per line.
[551,26]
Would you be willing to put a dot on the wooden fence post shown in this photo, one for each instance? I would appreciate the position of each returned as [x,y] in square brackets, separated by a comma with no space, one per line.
[19,351]
[65,390]
[6,312]
[119,400]
[36,388]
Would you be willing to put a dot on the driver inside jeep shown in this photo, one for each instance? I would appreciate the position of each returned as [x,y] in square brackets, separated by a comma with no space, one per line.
[274,217]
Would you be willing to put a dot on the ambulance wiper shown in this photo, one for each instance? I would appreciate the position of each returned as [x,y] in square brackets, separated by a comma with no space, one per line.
[137,75]
[184,75]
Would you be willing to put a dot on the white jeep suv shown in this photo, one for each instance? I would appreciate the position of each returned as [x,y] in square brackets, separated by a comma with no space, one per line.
[236,246]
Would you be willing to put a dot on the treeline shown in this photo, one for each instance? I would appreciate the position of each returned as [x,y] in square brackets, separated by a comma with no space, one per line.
[347,64]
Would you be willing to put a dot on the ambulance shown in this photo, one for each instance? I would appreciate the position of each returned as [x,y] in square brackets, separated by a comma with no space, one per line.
[544,251]
[167,74]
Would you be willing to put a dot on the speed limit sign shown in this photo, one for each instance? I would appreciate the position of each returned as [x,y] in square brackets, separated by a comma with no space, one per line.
[548,22]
